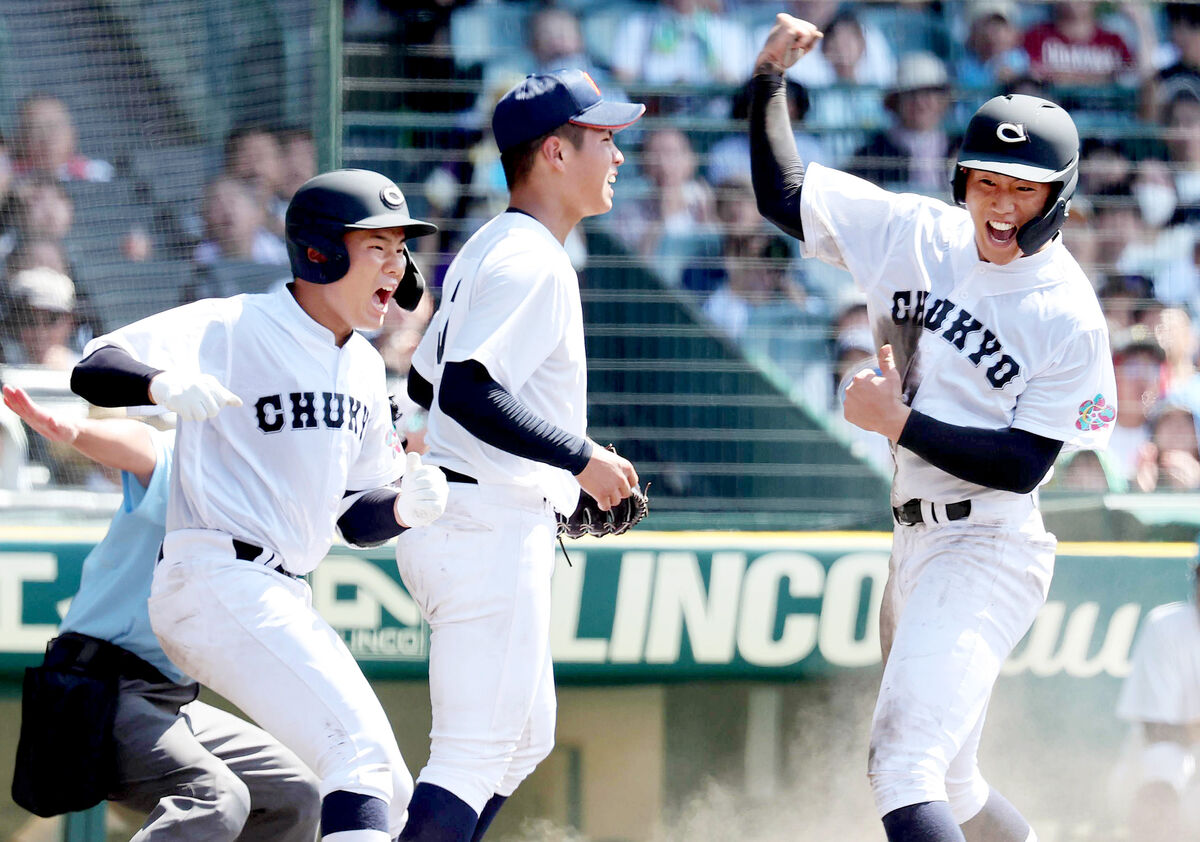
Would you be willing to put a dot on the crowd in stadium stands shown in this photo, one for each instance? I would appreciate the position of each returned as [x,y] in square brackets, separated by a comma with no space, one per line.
[884,96]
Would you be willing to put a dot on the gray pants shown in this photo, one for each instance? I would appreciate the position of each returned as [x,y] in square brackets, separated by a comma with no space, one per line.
[203,774]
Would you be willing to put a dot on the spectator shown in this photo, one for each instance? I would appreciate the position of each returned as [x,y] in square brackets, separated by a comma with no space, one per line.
[298,153]
[676,201]
[1181,131]
[756,270]
[992,54]
[1104,163]
[39,207]
[687,42]
[1160,700]
[253,154]
[848,102]
[737,216]
[729,158]
[1124,300]
[1137,364]
[46,143]
[871,64]
[1073,49]
[554,40]
[42,320]
[1183,75]
[913,153]
[1118,225]
[1174,332]
[234,227]
[1170,460]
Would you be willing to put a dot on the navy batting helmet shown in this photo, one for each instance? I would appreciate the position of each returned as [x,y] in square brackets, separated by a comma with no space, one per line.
[1024,137]
[328,205]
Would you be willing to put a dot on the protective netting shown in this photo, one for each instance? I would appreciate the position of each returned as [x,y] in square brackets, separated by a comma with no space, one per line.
[149,150]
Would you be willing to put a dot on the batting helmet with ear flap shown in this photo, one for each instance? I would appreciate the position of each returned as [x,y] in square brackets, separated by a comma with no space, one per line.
[328,205]
[1029,138]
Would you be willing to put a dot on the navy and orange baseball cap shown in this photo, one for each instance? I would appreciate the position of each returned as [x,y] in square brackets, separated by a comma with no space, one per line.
[544,101]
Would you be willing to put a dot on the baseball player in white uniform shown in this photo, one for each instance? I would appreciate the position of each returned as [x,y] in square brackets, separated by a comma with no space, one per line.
[502,371]
[1161,700]
[994,356]
[285,434]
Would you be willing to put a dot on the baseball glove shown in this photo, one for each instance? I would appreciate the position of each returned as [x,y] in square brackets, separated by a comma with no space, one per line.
[589,519]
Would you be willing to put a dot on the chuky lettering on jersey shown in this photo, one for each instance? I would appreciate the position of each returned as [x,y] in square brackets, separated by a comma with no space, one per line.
[916,307]
[304,412]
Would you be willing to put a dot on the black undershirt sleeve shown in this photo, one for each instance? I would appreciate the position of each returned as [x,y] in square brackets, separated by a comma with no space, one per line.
[419,389]
[371,519]
[492,414]
[1008,460]
[109,376]
[776,169]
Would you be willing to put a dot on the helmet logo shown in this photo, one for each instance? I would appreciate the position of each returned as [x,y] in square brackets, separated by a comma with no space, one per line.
[1012,132]
[392,197]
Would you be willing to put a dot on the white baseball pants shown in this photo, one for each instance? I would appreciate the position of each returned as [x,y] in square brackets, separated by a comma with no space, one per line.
[959,597]
[251,634]
[481,576]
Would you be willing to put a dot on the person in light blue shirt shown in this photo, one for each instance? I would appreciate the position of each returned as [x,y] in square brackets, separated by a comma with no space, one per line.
[198,772]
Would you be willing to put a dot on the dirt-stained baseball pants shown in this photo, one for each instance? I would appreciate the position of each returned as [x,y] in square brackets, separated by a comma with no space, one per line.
[251,634]
[959,597]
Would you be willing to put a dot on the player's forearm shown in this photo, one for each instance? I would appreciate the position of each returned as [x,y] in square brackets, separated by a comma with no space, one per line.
[1008,460]
[120,443]
[492,414]
[369,517]
[109,376]
[776,169]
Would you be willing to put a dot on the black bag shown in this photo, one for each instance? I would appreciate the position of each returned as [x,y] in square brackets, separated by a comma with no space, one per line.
[66,752]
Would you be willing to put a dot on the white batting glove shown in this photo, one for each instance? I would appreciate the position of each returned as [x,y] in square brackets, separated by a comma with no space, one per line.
[192,396]
[423,492]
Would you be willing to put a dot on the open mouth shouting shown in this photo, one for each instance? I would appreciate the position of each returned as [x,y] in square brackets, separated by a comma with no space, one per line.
[1002,234]
[382,298]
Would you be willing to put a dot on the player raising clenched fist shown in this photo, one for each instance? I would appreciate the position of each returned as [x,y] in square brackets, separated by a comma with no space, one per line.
[994,356]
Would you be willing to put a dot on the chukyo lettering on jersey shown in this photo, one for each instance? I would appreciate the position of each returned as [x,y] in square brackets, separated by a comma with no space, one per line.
[303,412]
[956,325]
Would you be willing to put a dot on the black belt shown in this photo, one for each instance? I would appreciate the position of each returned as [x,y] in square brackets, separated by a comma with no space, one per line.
[909,514]
[454,476]
[246,551]
[96,656]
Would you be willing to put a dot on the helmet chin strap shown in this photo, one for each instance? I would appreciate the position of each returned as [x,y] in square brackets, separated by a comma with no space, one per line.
[1033,235]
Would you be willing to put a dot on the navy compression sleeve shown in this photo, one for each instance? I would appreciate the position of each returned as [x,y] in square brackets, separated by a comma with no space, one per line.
[371,518]
[419,389]
[111,377]
[1009,460]
[776,169]
[492,414]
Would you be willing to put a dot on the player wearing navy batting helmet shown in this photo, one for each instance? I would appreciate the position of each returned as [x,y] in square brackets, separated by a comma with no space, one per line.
[285,436]
[993,358]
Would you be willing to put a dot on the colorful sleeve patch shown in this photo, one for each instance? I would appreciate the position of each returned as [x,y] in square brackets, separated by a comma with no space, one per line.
[396,443]
[1095,413]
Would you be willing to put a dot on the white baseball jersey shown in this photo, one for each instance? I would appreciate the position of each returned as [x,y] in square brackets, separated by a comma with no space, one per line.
[1164,682]
[315,421]
[1023,345]
[510,301]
